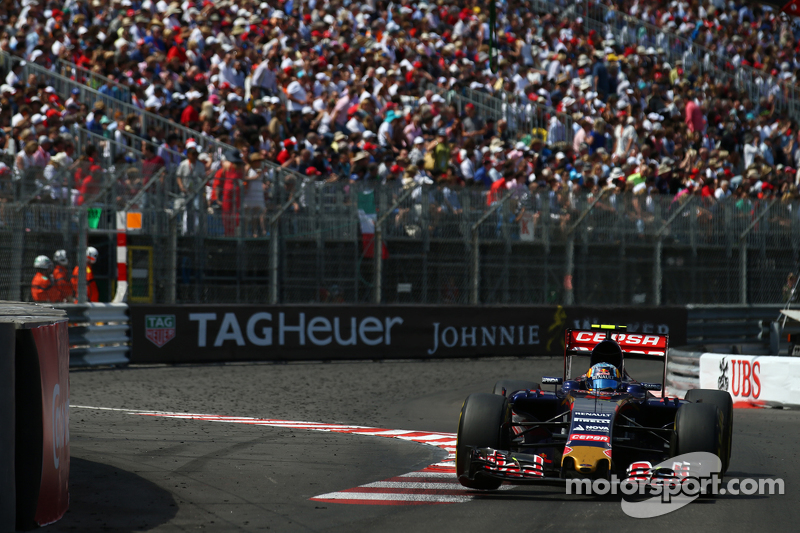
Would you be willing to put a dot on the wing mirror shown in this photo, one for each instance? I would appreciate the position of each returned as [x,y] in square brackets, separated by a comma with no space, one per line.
[552,381]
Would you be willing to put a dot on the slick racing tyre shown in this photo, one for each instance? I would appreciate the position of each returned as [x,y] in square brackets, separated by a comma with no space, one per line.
[698,428]
[725,404]
[483,423]
[513,385]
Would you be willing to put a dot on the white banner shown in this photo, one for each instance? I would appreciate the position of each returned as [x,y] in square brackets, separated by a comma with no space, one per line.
[526,227]
[753,379]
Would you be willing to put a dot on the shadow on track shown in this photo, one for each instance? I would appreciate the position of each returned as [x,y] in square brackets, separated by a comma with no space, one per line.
[106,498]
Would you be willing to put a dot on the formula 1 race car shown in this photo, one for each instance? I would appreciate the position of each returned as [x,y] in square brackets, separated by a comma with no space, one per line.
[592,426]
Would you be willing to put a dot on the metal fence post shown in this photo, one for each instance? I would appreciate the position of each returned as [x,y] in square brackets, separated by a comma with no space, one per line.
[743,252]
[475,270]
[377,248]
[569,270]
[377,257]
[569,260]
[743,271]
[274,246]
[476,266]
[274,222]
[657,270]
[83,228]
[17,251]
[172,261]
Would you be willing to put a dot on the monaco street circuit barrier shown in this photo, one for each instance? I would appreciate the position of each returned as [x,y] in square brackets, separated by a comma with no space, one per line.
[683,370]
[211,333]
[34,415]
[99,334]
[753,380]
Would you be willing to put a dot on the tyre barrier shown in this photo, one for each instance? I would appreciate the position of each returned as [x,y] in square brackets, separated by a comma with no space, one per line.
[99,334]
[34,415]
[753,381]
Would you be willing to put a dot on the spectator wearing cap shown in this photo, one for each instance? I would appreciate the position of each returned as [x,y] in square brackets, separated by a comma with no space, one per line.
[386,133]
[297,98]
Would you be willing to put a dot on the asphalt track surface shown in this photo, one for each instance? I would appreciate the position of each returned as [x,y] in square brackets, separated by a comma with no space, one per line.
[132,472]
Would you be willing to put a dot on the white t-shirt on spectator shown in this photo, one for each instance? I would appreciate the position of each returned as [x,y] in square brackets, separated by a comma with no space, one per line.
[296,90]
[750,151]
[467,169]
[385,133]
[355,126]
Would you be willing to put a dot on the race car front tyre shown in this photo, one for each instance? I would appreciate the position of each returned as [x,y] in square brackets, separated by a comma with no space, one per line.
[483,423]
[723,401]
[513,385]
[698,428]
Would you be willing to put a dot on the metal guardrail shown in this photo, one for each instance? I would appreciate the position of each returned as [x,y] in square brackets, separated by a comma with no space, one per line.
[92,79]
[99,334]
[683,371]
[522,116]
[64,85]
[628,29]
[730,324]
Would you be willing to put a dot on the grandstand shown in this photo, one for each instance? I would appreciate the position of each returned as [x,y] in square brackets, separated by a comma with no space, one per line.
[626,126]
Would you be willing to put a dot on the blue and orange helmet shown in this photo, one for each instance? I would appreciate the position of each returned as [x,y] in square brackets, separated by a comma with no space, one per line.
[603,376]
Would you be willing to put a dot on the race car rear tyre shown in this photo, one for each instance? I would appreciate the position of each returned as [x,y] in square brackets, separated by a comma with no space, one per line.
[698,428]
[513,385]
[483,423]
[724,402]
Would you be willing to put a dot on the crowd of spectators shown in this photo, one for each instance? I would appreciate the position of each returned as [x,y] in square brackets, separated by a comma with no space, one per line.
[338,91]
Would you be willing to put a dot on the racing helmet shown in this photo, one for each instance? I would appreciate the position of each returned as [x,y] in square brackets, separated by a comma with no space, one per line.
[607,351]
[61,258]
[43,262]
[603,376]
[91,255]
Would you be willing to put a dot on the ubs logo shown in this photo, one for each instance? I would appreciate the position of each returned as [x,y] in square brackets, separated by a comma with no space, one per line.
[722,381]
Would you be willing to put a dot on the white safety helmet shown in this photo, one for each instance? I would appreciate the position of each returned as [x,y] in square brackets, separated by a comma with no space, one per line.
[61,258]
[91,255]
[43,262]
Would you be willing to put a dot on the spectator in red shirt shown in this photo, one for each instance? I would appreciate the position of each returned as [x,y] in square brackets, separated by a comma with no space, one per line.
[88,176]
[695,121]
[228,186]
[190,117]
[151,162]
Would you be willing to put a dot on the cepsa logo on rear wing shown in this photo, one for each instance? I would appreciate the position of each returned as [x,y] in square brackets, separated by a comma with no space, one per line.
[633,345]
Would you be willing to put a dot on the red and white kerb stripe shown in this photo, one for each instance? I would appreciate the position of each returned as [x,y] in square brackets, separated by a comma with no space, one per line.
[434,484]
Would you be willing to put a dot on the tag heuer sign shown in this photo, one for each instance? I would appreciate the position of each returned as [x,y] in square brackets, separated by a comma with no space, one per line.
[160,329]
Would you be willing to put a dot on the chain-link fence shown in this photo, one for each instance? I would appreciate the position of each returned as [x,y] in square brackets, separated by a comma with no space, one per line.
[349,243]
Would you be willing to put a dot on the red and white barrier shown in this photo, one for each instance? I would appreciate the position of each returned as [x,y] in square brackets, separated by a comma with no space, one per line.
[122,257]
[753,380]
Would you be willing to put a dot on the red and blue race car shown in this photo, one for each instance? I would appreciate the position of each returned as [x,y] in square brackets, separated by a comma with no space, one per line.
[591,426]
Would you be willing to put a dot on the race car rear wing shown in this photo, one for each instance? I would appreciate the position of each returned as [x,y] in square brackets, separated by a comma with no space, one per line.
[647,346]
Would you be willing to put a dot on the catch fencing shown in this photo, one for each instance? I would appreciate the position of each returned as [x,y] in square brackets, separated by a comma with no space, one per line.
[315,242]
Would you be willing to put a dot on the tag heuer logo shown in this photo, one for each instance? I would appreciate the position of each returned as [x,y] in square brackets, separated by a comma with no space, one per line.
[159,329]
